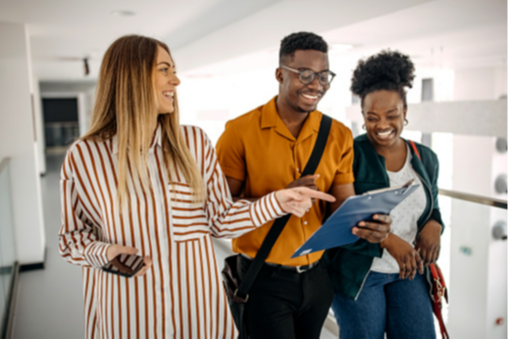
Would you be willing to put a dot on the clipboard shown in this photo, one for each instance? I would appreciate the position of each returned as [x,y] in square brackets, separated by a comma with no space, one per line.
[337,230]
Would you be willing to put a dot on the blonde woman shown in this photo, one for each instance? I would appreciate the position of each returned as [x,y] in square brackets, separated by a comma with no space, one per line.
[138,182]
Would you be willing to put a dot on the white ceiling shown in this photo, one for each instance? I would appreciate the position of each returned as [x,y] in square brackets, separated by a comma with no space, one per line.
[198,31]
[64,32]
[445,33]
[436,34]
[266,28]
[205,32]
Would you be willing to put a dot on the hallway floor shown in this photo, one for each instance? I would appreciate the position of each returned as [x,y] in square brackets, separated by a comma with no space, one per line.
[49,302]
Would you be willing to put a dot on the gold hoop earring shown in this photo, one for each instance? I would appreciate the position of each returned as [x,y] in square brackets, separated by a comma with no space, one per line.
[364,126]
[406,122]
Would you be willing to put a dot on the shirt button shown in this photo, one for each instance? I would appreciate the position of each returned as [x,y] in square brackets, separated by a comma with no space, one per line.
[305,222]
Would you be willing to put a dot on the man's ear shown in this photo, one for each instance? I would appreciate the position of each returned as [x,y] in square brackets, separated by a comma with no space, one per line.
[279,75]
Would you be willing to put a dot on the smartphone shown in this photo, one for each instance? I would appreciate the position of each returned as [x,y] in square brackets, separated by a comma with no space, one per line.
[126,265]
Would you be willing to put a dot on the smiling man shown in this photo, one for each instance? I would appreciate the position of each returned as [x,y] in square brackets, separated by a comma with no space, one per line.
[265,150]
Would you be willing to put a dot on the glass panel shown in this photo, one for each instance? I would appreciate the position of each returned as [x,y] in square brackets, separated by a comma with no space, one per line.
[3,302]
[427,90]
[7,249]
[474,265]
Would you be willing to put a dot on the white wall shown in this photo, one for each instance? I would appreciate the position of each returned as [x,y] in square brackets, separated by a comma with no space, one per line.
[501,81]
[478,293]
[484,83]
[17,141]
[39,126]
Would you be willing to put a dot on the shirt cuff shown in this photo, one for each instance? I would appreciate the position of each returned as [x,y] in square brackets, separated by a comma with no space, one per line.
[436,215]
[233,173]
[266,209]
[343,179]
[95,254]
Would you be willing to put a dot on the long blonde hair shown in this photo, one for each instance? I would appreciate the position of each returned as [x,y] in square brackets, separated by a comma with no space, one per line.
[126,105]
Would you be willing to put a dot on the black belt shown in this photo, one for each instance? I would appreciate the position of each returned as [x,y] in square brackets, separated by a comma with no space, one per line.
[294,269]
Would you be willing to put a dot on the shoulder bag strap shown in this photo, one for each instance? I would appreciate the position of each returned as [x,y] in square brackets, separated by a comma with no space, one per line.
[438,290]
[415,149]
[276,229]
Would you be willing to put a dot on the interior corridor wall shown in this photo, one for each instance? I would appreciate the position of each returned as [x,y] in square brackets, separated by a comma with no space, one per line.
[17,141]
[478,286]
[480,83]
[39,127]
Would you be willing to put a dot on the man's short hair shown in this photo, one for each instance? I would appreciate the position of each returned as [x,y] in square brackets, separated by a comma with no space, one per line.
[301,40]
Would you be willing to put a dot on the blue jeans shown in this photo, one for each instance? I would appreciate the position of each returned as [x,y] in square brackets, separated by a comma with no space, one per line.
[401,308]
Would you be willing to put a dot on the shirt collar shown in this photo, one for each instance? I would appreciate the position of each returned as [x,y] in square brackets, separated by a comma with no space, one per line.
[270,118]
[156,141]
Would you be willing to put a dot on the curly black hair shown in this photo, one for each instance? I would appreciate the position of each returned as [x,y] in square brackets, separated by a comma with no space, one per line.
[301,40]
[387,70]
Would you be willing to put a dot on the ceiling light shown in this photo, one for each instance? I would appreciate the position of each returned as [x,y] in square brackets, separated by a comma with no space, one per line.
[122,13]
[86,68]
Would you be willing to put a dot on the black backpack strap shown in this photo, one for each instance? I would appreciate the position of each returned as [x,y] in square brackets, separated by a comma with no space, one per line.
[276,229]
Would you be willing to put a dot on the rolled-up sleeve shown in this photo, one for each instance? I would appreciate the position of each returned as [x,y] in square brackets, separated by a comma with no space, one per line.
[344,172]
[231,153]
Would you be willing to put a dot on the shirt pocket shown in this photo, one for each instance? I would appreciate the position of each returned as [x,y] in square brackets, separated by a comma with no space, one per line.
[190,220]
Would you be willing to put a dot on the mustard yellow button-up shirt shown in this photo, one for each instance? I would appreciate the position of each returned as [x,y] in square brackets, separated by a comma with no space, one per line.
[258,149]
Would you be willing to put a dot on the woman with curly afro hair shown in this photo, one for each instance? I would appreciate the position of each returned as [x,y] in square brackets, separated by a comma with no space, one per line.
[382,288]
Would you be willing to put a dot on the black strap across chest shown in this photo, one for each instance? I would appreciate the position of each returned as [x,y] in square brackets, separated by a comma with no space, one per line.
[278,226]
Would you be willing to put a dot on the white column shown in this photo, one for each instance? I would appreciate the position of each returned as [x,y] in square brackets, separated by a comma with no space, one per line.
[17,141]
[39,126]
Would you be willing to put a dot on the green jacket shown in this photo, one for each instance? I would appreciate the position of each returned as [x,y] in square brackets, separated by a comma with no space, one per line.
[349,265]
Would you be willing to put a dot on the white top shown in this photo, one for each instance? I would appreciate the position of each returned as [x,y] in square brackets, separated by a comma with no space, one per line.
[404,216]
[181,295]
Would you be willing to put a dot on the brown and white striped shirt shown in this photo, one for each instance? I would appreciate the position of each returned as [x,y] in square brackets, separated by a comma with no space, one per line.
[182,295]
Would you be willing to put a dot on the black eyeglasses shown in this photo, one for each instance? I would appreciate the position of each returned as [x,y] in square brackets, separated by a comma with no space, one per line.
[307,76]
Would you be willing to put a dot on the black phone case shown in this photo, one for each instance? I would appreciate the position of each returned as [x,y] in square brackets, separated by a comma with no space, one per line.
[136,263]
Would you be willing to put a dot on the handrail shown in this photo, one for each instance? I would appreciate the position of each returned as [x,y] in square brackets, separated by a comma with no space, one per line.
[7,322]
[330,322]
[474,198]
[4,163]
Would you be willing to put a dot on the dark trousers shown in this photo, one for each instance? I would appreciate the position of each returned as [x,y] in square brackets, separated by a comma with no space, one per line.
[284,304]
